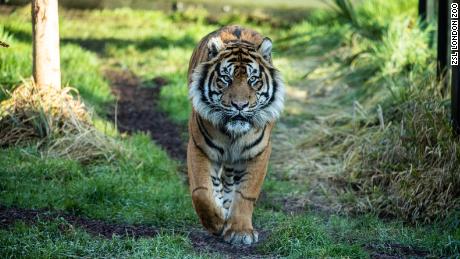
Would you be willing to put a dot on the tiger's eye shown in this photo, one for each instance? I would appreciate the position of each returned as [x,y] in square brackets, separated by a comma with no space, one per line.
[226,78]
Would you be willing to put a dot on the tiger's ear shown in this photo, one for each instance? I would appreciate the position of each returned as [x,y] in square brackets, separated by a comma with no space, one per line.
[215,44]
[265,49]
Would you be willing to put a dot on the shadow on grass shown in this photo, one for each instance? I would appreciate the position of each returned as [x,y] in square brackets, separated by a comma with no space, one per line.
[18,34]
[99,45]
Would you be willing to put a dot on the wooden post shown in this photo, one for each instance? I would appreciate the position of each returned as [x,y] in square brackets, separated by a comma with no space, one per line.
[422,10]
[45,31]
[455,99]
[455,83]
[443,18]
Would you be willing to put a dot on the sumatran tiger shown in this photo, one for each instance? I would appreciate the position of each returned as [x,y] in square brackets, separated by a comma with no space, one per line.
[236,95]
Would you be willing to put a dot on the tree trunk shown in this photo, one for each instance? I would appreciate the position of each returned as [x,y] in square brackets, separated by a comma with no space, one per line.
[45,34]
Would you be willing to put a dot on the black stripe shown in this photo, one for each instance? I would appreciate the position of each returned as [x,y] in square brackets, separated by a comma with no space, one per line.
[203,80]
[246,60]
[207,140]
[199,188]
[275,88]
[239,172]
[226,55]
[203,77]
[260,153]
[265,75]
[199,148]
[215,181]
[217,68]
[200,125]
[210,91]
[203,96]
[227,183]
[256,142]
[246,198]
[236,178]
[240,181]
[223,130]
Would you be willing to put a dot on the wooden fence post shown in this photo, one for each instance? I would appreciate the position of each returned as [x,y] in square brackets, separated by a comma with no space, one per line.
[422,10]
[455,83]
[443,26]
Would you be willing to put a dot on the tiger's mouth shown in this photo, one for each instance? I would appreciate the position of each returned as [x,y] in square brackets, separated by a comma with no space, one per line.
[238,124]
[239,117]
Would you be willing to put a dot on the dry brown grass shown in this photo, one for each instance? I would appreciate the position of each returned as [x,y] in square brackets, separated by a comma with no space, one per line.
[56,121]
[399,161]
[409,169]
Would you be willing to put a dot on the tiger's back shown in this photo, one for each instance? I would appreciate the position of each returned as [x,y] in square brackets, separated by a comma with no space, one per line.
[236,95]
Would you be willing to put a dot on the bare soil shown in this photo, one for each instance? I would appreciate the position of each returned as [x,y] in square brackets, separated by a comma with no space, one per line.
[137,111]
[395,251]
[9,216]
[201,240]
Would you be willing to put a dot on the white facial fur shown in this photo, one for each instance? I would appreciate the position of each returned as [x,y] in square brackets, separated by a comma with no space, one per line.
[259,115]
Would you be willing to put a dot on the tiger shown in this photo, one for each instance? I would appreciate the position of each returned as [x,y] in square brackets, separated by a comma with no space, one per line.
[236,96]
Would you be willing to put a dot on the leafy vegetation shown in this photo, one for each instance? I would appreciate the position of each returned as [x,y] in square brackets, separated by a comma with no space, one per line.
[398,150]
[365,130]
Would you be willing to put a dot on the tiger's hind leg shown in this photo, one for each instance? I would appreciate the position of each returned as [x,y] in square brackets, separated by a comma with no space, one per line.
[238,228]
[202,191]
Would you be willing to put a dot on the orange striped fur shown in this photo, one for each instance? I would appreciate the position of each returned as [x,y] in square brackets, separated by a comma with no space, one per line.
[236,96]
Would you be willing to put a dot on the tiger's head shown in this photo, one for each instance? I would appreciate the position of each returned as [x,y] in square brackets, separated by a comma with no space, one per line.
[237,87]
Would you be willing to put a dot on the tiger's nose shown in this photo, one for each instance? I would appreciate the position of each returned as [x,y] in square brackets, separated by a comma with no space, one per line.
[240,105]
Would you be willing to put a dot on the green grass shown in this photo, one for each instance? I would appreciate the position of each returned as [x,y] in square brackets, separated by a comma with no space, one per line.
[142,187]
[365,56]
[307,236]
[80,68]
[59,239]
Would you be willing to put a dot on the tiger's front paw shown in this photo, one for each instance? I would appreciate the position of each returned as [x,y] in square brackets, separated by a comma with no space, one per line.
[214,224]
[241,237]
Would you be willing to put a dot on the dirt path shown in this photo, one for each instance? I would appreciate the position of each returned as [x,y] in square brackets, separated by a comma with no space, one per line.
[9,216]
[137,111]
[200,239]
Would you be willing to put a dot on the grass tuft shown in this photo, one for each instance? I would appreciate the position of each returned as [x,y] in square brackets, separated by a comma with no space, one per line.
[307,236]
[55,119]
[410,169]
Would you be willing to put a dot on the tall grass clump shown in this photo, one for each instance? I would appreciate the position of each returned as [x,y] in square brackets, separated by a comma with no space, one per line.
[409,165]
[399,155]
[55,121]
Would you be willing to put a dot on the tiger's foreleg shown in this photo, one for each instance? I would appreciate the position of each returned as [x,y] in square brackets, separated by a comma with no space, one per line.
[199,170]
[238,228]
